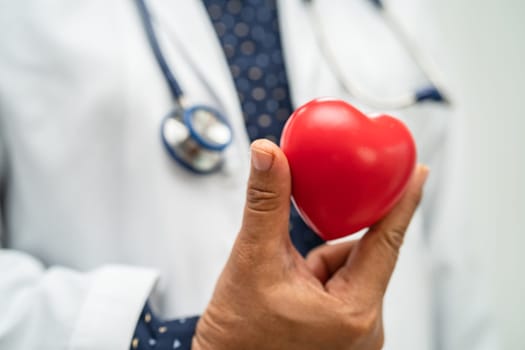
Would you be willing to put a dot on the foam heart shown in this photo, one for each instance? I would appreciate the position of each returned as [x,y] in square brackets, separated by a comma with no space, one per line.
[348,170]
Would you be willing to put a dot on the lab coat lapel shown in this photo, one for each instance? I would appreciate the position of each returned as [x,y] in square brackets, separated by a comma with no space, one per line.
[308,74]
[380,66]
[299,49]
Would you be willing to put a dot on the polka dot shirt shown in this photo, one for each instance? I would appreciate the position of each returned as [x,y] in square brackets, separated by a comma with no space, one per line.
[152,333]
[248,31]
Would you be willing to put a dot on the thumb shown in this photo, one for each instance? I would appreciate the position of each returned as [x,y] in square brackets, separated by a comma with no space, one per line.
[267,208]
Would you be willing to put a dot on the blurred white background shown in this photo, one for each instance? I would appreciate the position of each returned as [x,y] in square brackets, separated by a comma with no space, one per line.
[485,63]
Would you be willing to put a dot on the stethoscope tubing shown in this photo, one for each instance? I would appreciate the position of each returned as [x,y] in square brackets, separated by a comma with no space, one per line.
[433,92]
[175,89]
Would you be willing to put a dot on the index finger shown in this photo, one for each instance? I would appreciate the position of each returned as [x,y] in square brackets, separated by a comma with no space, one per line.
[373,260]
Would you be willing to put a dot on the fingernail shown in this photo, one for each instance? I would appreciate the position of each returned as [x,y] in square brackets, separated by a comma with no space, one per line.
[424,170]
[262,155]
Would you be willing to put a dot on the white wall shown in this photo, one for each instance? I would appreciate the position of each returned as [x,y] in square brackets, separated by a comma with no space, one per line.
[485,62]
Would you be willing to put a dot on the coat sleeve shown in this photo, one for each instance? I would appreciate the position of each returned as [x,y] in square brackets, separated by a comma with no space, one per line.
[463,318]
[55,307]
[60,308]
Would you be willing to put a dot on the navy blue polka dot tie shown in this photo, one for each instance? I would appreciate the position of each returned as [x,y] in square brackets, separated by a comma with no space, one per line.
[249,33]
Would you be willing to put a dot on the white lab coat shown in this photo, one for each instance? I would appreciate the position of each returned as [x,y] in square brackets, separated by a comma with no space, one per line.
[97,218]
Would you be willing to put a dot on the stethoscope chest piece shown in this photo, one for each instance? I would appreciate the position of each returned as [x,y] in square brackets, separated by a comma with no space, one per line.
[196,137]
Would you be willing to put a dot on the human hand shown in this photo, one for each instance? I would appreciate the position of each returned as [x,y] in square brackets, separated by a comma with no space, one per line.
[269,297]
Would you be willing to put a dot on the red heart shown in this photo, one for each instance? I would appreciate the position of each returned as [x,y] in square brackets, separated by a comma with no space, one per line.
[348,170]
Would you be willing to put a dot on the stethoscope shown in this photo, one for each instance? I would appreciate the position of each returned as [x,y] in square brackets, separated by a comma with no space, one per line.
[432,92]
[196,136]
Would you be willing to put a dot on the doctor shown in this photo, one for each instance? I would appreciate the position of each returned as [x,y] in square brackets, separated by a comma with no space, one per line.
[98,220]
